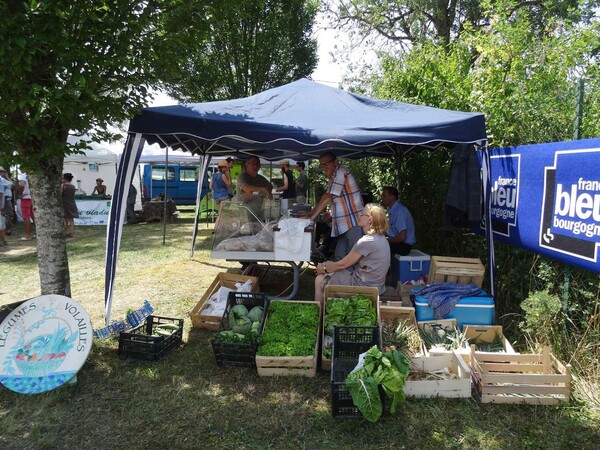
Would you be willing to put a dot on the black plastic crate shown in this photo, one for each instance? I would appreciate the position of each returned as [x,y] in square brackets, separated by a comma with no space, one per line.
[348,343]
[139,343]
[237,354]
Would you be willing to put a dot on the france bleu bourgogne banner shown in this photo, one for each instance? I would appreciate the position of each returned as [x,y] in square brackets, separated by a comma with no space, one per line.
[546,198]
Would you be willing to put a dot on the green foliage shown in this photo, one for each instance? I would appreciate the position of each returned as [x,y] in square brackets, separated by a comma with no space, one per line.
[355,310]
[542,316]
[247,46]
[71,66]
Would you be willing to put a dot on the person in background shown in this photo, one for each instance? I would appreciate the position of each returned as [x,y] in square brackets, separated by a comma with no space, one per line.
[231,163]
[253,189]
[69,206]
[401,235]
[219,185]
[289,185]
[99,189]
[6,185]
[344,193]
[2,218]
[301,184]
[369,257]
[26,206]
[130,211]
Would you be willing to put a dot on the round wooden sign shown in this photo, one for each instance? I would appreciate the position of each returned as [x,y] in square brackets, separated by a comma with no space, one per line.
[43,344]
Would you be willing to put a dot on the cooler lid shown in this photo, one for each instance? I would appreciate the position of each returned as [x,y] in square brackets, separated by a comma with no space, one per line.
[414,255]
[482,301]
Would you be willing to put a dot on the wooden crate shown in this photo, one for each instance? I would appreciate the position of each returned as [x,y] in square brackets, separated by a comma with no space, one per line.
[405,313]
[333,291]
[538,379]
[445,323]
[457,387]
[221,280]
[446,269]
[305,366]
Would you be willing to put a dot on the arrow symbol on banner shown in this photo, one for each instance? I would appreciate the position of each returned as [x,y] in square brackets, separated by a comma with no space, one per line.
[548,236]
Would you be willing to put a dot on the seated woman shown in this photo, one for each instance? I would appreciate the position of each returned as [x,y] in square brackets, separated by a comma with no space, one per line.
[367,263]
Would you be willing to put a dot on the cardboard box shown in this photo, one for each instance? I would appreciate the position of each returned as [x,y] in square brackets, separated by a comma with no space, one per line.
[222,280]
[446,269]
[486,334]
[538,379]
[410,267]
[333,291]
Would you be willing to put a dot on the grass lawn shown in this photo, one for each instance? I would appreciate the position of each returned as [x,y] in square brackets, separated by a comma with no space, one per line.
[186,401]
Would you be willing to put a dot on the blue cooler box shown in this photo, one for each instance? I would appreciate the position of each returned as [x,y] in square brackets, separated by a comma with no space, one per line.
[410,267]
[478,310]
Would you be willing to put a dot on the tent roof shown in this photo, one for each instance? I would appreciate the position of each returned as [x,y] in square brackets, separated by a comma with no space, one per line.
[98,154]
[302,119]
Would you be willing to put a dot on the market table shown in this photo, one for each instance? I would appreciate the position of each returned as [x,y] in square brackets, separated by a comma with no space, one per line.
[93,210]
[154,209]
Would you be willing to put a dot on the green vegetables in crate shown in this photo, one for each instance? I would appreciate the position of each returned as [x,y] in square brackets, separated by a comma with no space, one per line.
[290,330]
[356,310]
[244,325]
[390,370]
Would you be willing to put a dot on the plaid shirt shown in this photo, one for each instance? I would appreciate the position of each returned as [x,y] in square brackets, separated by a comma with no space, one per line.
[347,201]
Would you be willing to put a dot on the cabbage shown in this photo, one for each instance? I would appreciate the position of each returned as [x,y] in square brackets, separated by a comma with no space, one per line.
[255,314]
[239,310]
[243,325]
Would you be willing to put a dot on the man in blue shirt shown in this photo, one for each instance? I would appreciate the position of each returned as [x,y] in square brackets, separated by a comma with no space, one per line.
[401,235]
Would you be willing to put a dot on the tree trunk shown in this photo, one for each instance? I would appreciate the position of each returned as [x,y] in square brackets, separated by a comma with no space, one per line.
[53,263]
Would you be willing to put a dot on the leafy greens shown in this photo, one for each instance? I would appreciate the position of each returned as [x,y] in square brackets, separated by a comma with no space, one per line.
[390,370]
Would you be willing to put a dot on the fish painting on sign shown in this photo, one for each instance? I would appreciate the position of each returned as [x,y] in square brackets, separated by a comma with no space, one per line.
[43,344]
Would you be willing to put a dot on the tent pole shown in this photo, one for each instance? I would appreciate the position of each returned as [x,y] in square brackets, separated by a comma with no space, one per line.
[165,196]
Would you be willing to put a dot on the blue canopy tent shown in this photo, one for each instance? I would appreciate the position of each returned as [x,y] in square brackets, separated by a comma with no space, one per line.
[299,121]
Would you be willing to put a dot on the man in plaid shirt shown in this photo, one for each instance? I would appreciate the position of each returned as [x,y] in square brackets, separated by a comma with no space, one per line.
[344,194]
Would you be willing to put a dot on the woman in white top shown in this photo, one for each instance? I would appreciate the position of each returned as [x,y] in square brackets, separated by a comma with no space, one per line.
[367,263]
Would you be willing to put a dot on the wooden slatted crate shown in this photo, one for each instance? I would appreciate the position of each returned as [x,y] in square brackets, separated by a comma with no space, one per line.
[333,291]
[405,313]
[223,279]
[305,366]
[451,377]
[446,269]
[538,379]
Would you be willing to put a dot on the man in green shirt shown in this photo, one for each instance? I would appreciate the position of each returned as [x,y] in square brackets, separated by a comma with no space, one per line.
[301,184]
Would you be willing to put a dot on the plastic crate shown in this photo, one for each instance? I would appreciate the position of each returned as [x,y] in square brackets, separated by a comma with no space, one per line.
[237,354]
[139,343]
[348,343]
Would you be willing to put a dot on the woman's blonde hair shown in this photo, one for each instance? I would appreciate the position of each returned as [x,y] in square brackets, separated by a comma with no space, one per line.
[379,225]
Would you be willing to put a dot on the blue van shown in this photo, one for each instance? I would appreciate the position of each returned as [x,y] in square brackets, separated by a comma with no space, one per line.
[182,182]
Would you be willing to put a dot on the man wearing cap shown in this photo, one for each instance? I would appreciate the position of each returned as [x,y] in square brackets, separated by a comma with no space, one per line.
[288,189]
[347,205]
[253,189]
[221,182]
[9,208]
[99,189]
